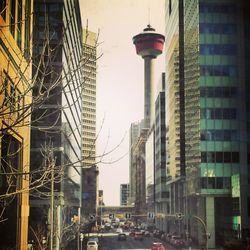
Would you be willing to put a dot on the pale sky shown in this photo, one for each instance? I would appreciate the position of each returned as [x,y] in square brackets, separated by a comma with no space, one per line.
[120,80]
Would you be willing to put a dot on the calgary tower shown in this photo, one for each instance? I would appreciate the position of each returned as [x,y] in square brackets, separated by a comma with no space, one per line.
[149,45]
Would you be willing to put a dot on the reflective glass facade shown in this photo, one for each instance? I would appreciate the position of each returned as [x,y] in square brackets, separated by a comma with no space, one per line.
[215,55]
[57,43]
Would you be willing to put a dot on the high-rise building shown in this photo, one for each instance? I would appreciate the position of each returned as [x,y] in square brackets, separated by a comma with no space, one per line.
[150,172]
[124,194]
[89,168]
[15,104]
[56,120]
[138,165]
[207,46]
[134,133]
[161,192]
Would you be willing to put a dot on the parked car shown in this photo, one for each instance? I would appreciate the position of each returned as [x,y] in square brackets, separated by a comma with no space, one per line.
[122,236]
[119,230]
[147,234]
[168,237]
[138,236]
[177,241]
[132,233]
[92,245]
[94,238]
[157,246]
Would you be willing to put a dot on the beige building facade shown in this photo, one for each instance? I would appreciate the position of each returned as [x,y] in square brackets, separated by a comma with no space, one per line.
[15,100]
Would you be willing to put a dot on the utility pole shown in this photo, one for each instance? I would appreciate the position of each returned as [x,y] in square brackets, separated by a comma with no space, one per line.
[52,209]
[51,165]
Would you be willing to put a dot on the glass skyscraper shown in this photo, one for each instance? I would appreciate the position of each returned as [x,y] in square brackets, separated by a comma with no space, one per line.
[207,78]
[56,120]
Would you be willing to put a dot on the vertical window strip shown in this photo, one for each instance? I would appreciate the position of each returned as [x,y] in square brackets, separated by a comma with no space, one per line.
[12,16]
[3,9]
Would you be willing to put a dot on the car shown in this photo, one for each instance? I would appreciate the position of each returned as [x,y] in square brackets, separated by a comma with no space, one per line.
[119,230]
[122,236]
[94,238]
[168,237]
[147,233]
[92,245]
[177,241]
[132,233]
[138,236]
[157,246]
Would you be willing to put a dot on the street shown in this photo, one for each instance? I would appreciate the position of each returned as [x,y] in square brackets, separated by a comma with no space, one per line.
[109,241]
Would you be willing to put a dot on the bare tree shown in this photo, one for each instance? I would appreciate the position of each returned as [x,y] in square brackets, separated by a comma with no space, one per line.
[42,89]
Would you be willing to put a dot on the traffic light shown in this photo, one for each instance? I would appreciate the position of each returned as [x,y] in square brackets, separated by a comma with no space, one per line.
[111,216]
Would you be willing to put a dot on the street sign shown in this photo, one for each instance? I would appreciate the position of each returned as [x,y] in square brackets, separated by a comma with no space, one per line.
[179,216]
[151,215]
[92,217]
[127,215]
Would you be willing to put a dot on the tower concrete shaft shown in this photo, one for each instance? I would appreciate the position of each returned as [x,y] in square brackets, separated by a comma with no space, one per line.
[148,91]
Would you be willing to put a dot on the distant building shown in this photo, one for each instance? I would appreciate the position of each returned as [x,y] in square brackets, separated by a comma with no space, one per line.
[15,102]
[150,171]
[100,198]
[88,121]
[138,165]
[162,196]
[134,133]
[124,194]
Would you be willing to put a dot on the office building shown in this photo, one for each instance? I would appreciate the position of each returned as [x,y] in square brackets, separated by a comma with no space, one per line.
[150,172]
[124,194]
[161,192]
[134,133]
[138,164]
[89,168]
[207,46]
[56,121]
[15,103]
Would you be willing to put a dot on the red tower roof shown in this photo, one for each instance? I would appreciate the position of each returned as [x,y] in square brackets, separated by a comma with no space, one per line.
[149,43]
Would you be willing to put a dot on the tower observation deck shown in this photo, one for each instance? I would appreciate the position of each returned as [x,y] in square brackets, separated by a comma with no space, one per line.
[149,45]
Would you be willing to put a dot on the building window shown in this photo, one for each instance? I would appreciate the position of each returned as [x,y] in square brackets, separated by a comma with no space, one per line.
[248,206]
[12,16]
[27,30]
[3,9]
[12,96]
[19,23]
[220,157]
[219,113]
[215,183]
[218,49]
[217,8]
[219,70]
[10,163]
[218,28]
[169,7]
[219,135]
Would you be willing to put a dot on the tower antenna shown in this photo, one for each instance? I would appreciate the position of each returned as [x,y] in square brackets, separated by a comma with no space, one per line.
[148,14]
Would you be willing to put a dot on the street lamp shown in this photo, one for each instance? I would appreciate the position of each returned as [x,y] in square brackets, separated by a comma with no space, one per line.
[207,235]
